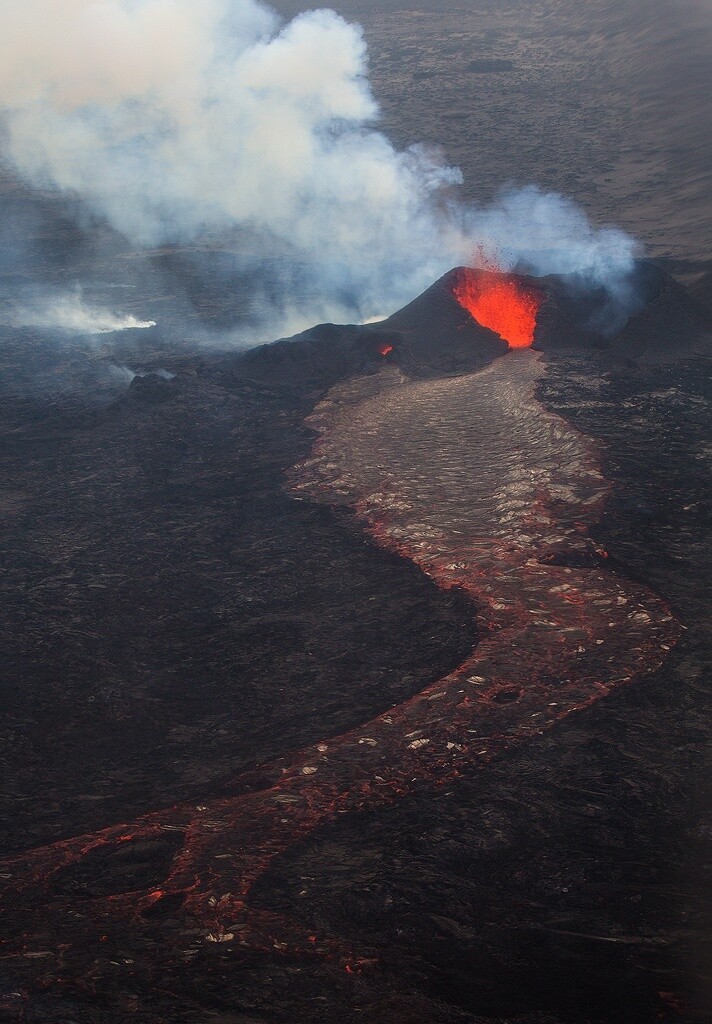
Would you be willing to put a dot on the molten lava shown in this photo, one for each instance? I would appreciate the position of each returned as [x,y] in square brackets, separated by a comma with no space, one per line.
[499,302]
[498,504]
[384,349]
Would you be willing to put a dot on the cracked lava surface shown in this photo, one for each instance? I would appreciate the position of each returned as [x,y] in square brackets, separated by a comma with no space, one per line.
[486,491]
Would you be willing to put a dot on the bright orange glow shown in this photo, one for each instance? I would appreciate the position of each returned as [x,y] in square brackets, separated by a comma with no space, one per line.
[384,348]
[499,302]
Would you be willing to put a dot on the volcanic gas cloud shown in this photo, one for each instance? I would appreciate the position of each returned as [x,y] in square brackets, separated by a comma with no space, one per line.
[501,303]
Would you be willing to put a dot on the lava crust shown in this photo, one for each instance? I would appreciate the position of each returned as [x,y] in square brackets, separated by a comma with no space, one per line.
[488,493]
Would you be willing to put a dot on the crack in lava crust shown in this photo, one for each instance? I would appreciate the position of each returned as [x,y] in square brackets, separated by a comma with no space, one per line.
[486,491]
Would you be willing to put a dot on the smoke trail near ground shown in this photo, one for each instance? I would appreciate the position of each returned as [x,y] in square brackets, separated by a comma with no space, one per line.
[179,121]
[68,313]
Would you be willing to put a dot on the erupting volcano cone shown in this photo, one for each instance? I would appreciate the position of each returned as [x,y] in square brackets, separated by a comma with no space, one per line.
[447,457]
[499,302]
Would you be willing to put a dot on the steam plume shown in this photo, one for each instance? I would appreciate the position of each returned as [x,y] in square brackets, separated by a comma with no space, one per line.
[68,313]
[178,120]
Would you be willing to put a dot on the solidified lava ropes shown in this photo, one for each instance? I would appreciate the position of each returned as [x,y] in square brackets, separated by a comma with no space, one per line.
[474,481]
[501,303]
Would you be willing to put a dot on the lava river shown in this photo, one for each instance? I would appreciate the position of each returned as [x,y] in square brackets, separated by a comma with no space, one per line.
[486,491]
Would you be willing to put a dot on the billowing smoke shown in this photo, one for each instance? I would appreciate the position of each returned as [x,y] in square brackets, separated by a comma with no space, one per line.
[68,313]
[179,122]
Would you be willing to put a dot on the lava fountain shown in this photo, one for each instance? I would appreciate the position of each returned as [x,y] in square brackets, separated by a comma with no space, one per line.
[501,303]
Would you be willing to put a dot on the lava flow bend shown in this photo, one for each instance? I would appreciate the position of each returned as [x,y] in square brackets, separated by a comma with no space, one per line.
[487,492]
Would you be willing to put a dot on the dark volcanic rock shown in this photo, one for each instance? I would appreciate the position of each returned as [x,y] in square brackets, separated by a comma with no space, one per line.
[430,336]
[152,388]
[172,617]
[489,65]
[433,335]
[701,290]
[666,323]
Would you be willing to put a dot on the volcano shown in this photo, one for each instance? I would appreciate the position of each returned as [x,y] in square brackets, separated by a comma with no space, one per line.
[353,578]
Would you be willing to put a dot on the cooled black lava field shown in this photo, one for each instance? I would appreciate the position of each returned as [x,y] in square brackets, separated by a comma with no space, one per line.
[191,628]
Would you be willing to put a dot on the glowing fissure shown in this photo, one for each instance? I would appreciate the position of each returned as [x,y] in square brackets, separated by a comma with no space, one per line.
[498,301]
[485,491]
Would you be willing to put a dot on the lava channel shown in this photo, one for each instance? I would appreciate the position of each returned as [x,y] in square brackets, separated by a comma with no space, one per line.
[486,491]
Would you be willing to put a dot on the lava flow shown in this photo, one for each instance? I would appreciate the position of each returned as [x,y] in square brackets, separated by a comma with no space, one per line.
[501,303]
[473,480]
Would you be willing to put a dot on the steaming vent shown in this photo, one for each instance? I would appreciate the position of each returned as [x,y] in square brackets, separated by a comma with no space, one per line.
[501,303]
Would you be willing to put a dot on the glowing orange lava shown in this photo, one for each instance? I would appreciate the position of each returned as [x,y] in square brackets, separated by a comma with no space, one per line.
[384,349]
[499,302]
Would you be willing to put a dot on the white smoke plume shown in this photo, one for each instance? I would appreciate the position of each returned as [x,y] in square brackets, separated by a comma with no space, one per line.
[179,120]
[68,313]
